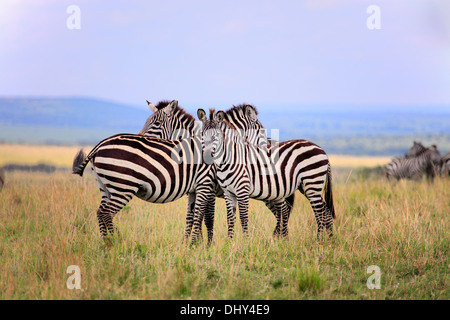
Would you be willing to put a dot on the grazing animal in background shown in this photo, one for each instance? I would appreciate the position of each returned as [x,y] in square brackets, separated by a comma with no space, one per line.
[169,121]
[2,179]
[427,162]
[155,170]
[247,171]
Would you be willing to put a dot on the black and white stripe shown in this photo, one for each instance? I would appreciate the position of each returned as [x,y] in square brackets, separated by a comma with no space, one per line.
[155,170]
[247,171]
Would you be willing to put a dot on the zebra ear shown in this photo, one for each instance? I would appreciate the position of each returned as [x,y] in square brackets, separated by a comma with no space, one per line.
[171,107]
[201,114]
[220,115]
[151,106]
[250,112]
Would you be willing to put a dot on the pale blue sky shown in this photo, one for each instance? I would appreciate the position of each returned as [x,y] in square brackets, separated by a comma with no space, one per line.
[220,53]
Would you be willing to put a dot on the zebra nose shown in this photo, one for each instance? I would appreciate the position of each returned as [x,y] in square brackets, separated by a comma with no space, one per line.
[208,155]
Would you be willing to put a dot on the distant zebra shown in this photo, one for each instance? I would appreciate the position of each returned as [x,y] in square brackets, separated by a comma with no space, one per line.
[426,162]
[155,170]
[442,168]
[168,120]
[247,171]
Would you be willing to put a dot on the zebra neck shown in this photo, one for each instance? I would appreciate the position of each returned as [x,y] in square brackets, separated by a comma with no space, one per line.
[183,125]
[233,148]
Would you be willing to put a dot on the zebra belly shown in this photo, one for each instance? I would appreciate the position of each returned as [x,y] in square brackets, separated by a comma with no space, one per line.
[147,193]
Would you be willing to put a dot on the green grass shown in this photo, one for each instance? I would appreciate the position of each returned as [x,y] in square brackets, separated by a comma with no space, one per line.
[48,222]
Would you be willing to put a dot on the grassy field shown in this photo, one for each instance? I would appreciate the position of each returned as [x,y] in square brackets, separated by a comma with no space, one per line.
[48,223]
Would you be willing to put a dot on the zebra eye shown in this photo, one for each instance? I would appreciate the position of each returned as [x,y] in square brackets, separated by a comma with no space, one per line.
[157,123]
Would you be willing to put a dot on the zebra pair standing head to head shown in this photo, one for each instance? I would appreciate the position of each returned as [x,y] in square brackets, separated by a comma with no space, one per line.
[243,119]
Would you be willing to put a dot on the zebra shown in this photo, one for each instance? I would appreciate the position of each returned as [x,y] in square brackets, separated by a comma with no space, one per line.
[153,169]
[425,162]
[167,121]
[247,171]
[443,168]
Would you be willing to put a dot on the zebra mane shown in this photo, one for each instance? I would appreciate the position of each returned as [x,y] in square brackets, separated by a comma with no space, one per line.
[424,149]
[178,110]
[162,104]
[240,108]
[228,124]
[212,111]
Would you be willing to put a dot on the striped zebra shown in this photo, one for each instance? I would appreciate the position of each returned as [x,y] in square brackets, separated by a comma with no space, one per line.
[154,170]
[168,120]
[426,162]
[247,171]
[443,168]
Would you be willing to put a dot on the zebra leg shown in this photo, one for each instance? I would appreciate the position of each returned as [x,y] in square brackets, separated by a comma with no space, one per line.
[231,203]
[243,201]
[289,201]
[322,214]
[283,212]
[202,204]
[189,215]
[271,206]
[105,214]
[209,218]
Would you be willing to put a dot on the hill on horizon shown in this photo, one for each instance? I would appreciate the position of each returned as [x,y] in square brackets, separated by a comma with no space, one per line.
[377,130]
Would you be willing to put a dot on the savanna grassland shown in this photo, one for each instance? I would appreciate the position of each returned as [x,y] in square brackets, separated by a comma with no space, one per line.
[48,223]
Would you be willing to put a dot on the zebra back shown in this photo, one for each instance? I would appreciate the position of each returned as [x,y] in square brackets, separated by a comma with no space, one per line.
[274,173]
[165,169]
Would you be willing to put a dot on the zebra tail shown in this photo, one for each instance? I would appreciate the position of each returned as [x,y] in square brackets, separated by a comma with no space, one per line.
[329,193]
[79,163]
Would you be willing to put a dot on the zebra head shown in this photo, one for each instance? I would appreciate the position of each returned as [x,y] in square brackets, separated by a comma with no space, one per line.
[168,121]
[211,133]
[415,150]
[245,118]
[435,156]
